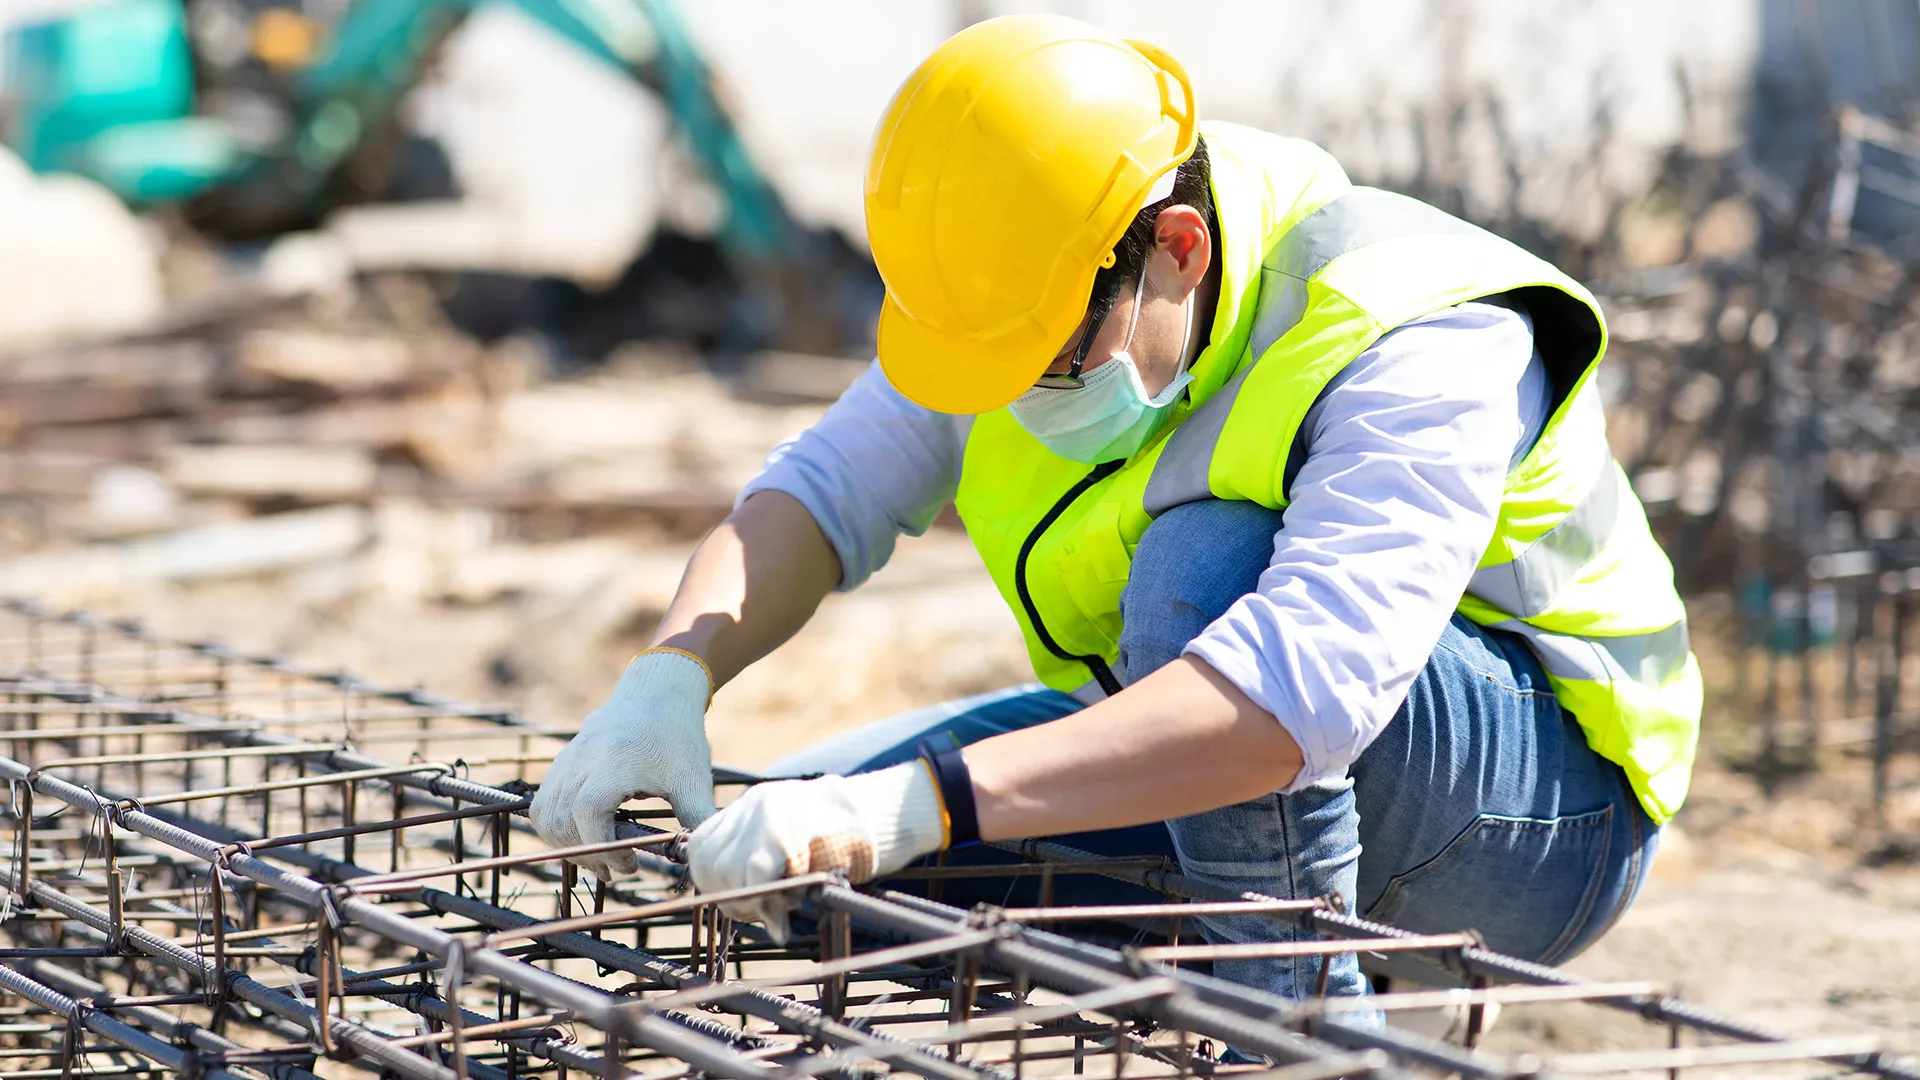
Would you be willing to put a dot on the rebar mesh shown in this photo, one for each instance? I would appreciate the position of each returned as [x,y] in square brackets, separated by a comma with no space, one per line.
[228,865]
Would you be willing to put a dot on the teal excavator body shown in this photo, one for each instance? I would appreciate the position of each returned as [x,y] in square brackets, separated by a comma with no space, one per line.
[109,91]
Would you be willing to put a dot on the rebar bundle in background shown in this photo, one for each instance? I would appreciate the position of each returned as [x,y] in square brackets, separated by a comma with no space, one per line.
[227,865]
[1763,393]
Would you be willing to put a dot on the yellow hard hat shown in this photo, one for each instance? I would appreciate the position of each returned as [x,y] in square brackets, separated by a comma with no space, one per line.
[1004,171]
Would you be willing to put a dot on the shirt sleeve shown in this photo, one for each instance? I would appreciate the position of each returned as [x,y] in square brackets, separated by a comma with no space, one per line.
[875,465]
[1406,457]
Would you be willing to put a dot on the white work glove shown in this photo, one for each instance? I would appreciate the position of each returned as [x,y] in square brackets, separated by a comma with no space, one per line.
[864,826]
[649,738]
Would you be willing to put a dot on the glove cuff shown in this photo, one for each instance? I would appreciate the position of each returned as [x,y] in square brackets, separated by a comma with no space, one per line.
[902,807]
[676,673]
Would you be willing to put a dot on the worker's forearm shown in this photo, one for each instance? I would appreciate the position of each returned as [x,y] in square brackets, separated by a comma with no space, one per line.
[1180,741]
[751,585]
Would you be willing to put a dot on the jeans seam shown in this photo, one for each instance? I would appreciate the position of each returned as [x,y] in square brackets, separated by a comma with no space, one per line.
[1634,870]
[1578,922]
[1293,882]
[1516,691]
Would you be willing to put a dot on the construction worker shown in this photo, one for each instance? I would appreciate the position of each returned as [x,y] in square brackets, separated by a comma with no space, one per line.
[1299,490]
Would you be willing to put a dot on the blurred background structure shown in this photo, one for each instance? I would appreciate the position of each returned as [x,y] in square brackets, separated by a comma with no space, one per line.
[428,335]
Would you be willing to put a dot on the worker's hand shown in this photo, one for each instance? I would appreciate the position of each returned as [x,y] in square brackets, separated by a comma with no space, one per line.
[649,738]
[863,826]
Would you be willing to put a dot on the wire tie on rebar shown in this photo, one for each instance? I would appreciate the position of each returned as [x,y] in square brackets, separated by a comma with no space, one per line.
[129,805]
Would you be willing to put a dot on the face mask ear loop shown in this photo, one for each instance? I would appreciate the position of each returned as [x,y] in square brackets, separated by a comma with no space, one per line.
[1186,336]
[1133,320]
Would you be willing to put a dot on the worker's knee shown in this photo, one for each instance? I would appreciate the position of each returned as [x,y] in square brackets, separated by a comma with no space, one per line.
[1192,563]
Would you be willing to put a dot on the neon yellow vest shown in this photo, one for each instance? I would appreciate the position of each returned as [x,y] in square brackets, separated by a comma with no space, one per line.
[1313,271]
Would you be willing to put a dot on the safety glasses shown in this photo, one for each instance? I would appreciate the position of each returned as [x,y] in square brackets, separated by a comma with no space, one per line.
[1071,379]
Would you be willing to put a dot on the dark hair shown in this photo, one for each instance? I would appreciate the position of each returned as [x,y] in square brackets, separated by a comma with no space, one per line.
[1192,186]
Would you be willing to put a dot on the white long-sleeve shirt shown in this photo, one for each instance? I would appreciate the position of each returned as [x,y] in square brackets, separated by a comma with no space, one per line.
[1406,456]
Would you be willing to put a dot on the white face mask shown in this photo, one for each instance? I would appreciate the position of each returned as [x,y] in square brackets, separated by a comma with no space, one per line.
[1109,415]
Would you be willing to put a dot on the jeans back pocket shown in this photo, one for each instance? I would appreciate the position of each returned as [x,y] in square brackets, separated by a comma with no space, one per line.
[1528,885]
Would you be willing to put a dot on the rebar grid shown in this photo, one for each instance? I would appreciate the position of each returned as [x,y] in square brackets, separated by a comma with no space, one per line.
[219,866]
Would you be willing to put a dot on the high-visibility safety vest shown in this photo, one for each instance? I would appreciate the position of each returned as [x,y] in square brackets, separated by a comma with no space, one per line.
[1313,271]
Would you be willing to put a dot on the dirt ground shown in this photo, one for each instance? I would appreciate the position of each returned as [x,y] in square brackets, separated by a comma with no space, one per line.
[1786,910]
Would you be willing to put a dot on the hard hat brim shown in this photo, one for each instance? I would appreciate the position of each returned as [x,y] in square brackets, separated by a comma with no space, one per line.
[953,373]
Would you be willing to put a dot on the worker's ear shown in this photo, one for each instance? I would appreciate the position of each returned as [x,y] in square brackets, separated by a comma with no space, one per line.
[1181,234]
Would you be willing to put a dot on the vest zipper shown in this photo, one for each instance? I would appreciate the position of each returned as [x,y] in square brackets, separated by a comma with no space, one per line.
[1102,674]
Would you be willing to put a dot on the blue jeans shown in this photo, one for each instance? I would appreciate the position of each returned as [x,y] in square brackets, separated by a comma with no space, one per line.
[1480,805]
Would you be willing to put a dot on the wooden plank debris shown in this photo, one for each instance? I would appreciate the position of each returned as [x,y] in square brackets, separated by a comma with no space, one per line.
[256,545]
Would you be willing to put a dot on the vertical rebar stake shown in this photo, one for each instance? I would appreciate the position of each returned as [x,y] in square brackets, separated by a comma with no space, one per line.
[696,920]
[399,841]
[1886,692]
[460,853]
[23,801]
[834,945]
[306,811]
[70,1044]
[966,986]
[216,914]
[611,1067]
[1673,1043]
[1020,1030]
[499,830]
[349,796]
[116,910]
[1476,1012]
[455,970]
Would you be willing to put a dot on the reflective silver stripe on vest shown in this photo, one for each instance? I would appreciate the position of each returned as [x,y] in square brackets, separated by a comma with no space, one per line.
[1180,476]
[1651,659]
[1361,217]
[1529,584]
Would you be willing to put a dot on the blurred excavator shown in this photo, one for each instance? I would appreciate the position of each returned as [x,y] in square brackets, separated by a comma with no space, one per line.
[269,139]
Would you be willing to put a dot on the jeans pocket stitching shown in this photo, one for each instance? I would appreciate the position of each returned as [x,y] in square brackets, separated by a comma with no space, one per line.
[1382,909]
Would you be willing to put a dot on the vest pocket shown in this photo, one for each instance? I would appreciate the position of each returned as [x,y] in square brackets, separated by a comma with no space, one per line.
[1093,569]
[1527,884]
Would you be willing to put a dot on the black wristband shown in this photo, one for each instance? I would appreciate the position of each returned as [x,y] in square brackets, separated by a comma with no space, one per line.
[955,784]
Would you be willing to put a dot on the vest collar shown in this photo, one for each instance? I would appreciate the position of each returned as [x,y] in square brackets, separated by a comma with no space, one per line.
[1262,186]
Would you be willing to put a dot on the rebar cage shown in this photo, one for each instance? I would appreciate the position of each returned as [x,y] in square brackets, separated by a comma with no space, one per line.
[227,865]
